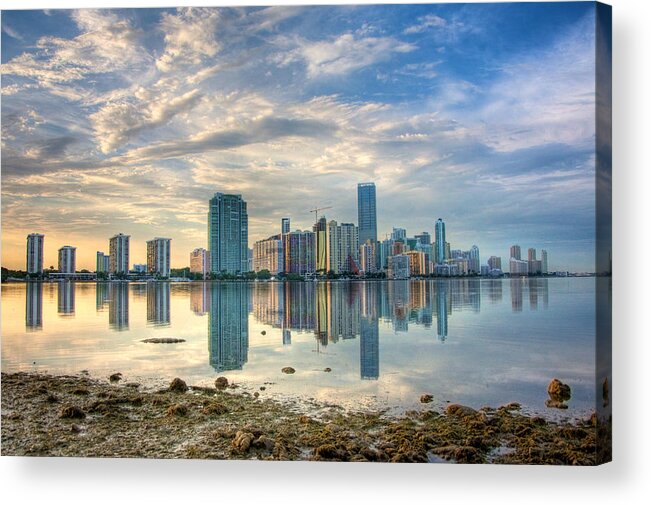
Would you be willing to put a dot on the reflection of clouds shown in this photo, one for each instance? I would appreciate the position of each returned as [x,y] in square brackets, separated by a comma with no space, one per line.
[490,357]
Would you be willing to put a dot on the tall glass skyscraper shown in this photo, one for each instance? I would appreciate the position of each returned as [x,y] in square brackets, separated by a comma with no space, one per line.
[439,234]
[228,234]
[366,212]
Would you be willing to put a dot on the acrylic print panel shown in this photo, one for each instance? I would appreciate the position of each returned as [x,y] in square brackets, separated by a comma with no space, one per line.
[337,233]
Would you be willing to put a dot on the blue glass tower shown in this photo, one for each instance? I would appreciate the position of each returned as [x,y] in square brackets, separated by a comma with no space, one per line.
[439,250]
[366,212]
[228,234]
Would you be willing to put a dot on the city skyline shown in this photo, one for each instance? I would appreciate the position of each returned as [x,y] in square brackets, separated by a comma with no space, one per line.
[292,108]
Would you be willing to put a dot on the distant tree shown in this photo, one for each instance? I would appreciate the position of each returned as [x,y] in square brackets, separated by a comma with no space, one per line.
[264,274]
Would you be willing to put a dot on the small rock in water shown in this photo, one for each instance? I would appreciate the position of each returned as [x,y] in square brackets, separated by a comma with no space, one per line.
[426,398]
[555,404]
[288,369]
[327,369]
[115,377]
[163,340]
[221,382]
[262,388]
[559,391]
[256,394]
[263,332]
[178,386]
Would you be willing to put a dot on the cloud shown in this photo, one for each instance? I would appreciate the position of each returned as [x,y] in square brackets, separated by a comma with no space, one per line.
[190,36]
[117,123]
[258,131]
[424,23]
[342,54]
[11,32]
[106,44]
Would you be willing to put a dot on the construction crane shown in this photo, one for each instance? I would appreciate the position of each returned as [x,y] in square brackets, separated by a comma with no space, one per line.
[316,212]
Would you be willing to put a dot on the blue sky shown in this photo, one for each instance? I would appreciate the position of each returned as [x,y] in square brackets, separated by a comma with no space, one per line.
[128,120]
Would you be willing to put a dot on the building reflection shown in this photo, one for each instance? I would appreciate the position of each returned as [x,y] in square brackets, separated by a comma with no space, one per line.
[495,290]
[369,342]
[158,303]
[101,296]
[443,308]
[34,306]
[66,298]
[119,306]
[199,299]
[516,295]
[228,326]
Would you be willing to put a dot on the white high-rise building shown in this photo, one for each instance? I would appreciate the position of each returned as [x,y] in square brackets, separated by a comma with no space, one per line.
[119,254]
[67,259]
[35,253]
[543,260]
[158,256]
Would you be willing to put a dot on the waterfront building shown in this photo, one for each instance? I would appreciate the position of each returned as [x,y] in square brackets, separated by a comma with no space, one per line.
[460,264]
[397,248]
[366,212]
[384,251]
[367,257]
[473,260]
[534,267]
[200,262]
[67,259]
[518,267]
[102,262]
[228,234]
[418,263]
[284,225]
[447,251]
[543,259]
[494,262]
[484,270]
[268,255]
[515,253]
[320,229]
[139,268]
[299,251]
[35,253]
[349,240]
[398,267]
[119,254]
[531,254]
[158,256]
[439,237]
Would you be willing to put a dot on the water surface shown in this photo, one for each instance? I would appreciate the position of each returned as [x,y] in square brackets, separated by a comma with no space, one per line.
[471,341]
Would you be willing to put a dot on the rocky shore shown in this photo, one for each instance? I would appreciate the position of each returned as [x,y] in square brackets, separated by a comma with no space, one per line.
[44,415]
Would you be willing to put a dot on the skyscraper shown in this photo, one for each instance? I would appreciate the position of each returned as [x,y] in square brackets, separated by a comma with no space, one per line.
[495,262]
[439,237]
[399,234]
[119,254]
[366,212]
[473,259]
[67,259]
[285,225]
[102,263]
[35,253]
[299,250]
[423,238]
[228,233]
[320,232]
[158,256]
[543,260]
[514,252]
[531,254]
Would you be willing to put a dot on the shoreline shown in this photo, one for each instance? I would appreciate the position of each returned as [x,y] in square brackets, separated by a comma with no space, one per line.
[79,416]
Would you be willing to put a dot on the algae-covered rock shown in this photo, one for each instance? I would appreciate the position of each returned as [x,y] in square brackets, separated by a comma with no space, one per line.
[559,391]
[177,410]
[178,386]
[242,441]
[288,370]
[426,398]
[71,412]
[163,340]
[459,410]
[221,382]
[115,377]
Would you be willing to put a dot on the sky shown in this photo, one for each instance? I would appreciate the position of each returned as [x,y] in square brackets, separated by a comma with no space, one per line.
[129,120]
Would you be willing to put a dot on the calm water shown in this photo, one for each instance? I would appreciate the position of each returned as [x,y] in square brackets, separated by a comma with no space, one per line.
[471,341]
